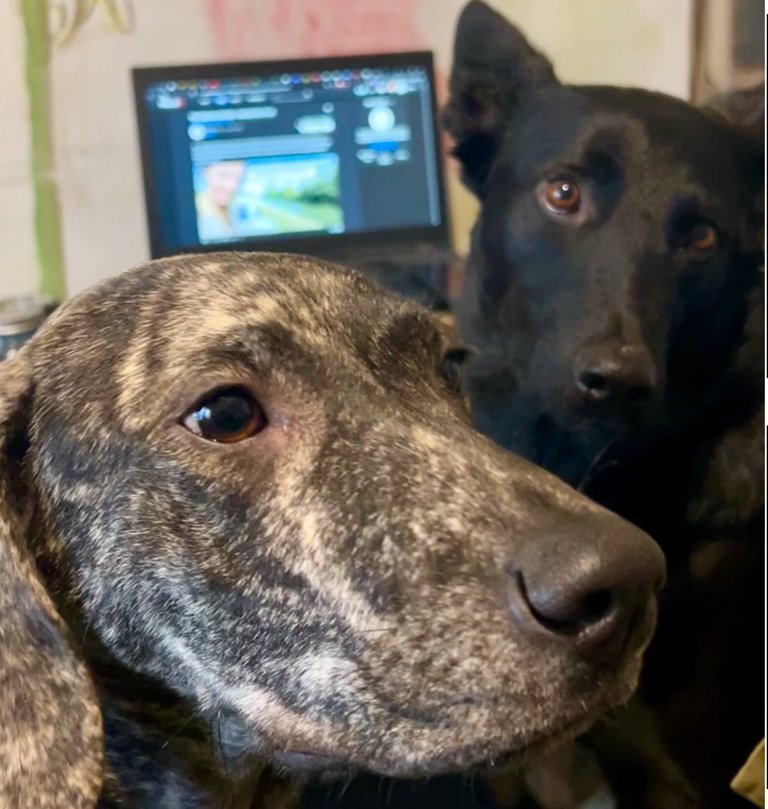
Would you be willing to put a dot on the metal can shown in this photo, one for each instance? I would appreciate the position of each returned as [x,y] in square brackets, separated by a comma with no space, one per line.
[20,318]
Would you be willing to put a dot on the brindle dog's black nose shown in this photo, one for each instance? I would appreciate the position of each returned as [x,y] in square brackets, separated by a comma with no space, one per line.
[589,585]
[618,372]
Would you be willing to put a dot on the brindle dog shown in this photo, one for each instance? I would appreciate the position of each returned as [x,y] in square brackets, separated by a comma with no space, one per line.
[246,526]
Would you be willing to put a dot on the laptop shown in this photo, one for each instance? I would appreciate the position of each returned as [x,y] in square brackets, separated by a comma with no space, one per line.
[334,157]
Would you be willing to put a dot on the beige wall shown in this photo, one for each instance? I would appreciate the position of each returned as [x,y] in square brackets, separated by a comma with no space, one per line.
[17,253]
[633,42]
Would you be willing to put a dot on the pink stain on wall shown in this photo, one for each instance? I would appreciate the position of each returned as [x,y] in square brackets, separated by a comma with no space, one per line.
[273,29]
[250,30]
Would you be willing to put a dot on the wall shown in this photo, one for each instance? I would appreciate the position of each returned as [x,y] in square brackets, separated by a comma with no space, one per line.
[635,42]
[17,250]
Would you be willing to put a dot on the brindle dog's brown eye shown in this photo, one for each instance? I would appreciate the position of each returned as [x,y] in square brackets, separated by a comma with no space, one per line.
[560,196]
[702,237]
[226,416]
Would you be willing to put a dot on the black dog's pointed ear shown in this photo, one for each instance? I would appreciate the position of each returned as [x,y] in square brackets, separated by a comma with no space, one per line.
[50,723]
[493,67]
[744,109]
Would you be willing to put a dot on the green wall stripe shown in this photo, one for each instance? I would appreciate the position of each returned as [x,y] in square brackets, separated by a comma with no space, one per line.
[48,239]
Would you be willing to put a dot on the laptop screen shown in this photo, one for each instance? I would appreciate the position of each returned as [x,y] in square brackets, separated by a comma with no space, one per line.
[308,153]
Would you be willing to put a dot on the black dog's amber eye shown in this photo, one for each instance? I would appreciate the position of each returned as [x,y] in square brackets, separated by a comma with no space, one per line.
[226,416]
[560,196]
[450,367]
[702,237]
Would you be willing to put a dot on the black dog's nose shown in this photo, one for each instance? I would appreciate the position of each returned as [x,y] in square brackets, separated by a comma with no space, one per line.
[588,585]
[625,372]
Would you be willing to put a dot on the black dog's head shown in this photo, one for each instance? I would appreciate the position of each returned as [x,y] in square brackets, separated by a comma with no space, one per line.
[615,250]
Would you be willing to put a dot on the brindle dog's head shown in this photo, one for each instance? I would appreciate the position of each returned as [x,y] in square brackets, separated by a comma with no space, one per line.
[253,479]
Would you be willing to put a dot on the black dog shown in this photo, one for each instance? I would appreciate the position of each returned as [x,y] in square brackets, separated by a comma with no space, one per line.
[613,296]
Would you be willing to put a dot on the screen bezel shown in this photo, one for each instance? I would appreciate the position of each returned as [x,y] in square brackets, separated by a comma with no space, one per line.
[325,244]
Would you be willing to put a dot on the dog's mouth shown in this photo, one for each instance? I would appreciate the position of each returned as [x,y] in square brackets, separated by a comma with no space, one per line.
[305,762]
[466,760]
[428,734]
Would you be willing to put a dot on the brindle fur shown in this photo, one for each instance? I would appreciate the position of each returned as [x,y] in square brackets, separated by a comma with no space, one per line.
[334,584]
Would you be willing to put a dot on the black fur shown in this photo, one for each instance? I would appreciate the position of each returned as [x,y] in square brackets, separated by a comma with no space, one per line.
[543,291]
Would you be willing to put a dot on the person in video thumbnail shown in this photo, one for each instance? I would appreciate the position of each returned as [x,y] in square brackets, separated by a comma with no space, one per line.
[222,181]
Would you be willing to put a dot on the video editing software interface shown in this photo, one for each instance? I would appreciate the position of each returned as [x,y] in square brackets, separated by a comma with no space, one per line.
[278,155]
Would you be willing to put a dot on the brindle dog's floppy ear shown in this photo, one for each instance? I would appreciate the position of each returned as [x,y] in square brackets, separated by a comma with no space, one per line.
[493,67]
[50,724]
